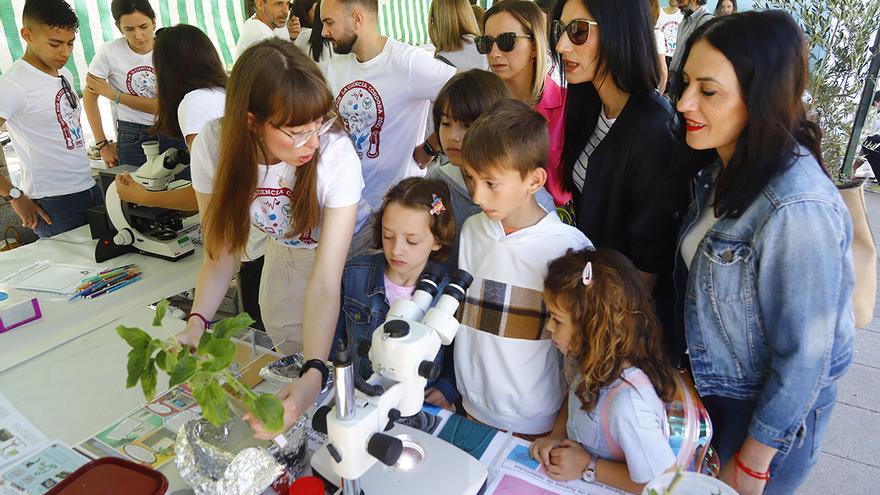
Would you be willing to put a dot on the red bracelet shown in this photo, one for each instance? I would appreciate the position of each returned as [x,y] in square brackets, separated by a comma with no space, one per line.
[206,321]
[752,473]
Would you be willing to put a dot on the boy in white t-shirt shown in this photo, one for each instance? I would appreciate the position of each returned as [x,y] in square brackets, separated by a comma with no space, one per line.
[383,90]
[269,20]
[42,111]
[122,71]
[507,370]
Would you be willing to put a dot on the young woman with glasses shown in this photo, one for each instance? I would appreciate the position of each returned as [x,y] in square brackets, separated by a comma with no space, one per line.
[280,165]
[515,43]
[620,139]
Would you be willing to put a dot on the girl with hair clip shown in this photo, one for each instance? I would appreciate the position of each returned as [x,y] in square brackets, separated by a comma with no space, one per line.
[515,44]
[621,140]
[765,267]
[284,165]
[613,427]
[461,100]
[452,27]
[415,229]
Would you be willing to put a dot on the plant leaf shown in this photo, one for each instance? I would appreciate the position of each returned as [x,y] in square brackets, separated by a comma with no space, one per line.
[137,362]
[223,352]
[136,338]
[170,361]
[186,368]
[161,308]
[227,327]
[200,379]
[213,401]
[148,380]
[203,341]
[269,410]
[160,361]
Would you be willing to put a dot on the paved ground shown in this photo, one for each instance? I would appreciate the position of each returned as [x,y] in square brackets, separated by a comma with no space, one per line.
[850,459]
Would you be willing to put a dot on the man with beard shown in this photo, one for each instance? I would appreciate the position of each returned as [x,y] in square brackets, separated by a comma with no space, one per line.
[269,19]
[695,15]
[38,103]
[383,90]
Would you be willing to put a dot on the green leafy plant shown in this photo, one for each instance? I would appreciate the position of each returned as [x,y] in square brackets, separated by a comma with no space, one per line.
[204,369]
[838,34]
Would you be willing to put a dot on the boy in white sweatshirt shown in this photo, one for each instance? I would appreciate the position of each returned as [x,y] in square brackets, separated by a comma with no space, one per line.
[507,370]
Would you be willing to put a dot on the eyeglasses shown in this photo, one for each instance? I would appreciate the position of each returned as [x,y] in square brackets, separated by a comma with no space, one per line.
[68,92]
[301,138]
[578,30]
[506,42]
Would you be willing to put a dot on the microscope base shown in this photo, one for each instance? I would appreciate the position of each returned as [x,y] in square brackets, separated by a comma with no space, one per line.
[444,469]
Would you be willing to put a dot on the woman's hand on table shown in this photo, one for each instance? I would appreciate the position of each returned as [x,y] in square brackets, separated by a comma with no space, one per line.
[541,447]
[567,461]
[296,397]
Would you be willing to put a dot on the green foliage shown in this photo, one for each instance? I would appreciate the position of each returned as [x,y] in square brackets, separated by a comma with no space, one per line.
[203,369]
[838,34]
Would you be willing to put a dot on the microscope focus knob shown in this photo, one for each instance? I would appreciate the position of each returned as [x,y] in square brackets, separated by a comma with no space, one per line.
[364,348]
[429,370]
[393,416]
[396,329]
[385,448]
[319,420]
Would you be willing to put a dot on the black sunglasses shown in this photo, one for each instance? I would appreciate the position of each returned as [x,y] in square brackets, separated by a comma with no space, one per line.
[578,30]
[506,42]
[68,92]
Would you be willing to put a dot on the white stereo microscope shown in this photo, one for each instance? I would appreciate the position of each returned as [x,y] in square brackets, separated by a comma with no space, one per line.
[158,232]
[361,428]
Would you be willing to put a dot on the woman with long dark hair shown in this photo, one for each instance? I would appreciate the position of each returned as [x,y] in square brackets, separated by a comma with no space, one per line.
[620,140]
[768,304]
[282,163]
[310,40]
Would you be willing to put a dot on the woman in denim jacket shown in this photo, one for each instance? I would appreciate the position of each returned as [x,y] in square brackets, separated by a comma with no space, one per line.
[415,230]
[768,305]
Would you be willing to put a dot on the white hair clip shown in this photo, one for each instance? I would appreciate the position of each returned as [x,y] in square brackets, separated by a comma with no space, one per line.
[587,274]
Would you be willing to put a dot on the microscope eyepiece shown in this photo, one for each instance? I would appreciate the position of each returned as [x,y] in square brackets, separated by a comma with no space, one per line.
[429,279]
[458,285]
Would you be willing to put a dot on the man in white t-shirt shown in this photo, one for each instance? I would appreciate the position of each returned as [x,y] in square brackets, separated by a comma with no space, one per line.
[269,19]
[42,111]
[383,91]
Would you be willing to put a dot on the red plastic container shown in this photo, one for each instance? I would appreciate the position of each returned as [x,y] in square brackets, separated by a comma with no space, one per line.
[112,476]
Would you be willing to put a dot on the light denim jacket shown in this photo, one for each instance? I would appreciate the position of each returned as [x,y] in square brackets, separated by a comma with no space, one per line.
[768,308]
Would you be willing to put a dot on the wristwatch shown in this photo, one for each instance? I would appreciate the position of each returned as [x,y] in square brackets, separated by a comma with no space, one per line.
[589,474]
[14,193]
[430,151]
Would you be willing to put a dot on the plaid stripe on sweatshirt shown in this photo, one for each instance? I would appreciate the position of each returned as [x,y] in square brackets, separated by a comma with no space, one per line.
[507,370]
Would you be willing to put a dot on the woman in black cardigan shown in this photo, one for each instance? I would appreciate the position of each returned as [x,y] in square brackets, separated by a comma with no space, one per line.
[621,139]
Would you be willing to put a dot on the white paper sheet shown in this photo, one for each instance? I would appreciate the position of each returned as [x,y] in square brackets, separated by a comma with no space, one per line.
[18,437]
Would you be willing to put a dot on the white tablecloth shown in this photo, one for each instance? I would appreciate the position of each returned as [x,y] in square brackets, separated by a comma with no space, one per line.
[63,321]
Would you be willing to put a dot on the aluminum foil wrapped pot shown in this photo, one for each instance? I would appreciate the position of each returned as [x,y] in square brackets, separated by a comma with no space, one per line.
[228,460]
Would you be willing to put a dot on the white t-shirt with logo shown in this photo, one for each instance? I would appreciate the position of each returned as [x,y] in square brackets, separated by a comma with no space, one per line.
[45,130]
[385,103]
[668,25]
[254,30]
[129,72]
[199,107]
[339,183]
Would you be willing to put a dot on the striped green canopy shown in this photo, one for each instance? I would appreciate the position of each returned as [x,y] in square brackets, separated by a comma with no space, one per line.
[405,20]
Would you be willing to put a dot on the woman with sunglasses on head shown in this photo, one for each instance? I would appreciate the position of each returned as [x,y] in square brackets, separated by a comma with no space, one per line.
[122,71]
[283,166]
[767,250]
[620,140]
[514,41]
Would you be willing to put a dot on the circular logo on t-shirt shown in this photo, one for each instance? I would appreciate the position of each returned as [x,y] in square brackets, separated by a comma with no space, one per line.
[141,81]
[360,106]
[670,32]
[68,119]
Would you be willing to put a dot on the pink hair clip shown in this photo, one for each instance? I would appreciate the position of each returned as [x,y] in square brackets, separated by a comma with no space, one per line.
[437,205]
[587,274]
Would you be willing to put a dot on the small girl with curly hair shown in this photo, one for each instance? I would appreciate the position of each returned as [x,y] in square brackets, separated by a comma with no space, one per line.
[614,427]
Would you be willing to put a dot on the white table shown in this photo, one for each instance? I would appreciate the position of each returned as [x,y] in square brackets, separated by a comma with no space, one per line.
[75,390]
[63,321]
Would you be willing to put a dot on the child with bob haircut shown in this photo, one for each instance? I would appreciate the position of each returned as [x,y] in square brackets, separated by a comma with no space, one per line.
[614,426]
[508,373]
[414,228]
[462,99]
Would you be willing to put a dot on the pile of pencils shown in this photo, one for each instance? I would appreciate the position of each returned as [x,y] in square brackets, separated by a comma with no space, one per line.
[107,281]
